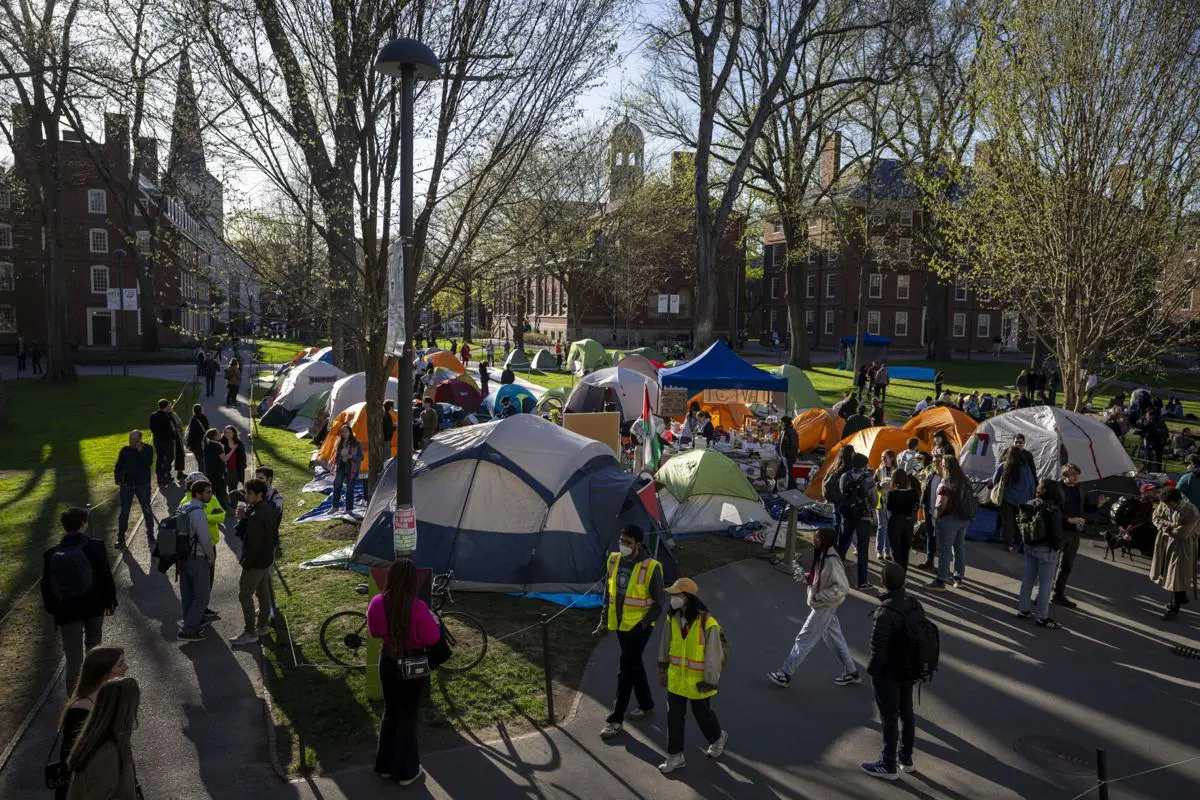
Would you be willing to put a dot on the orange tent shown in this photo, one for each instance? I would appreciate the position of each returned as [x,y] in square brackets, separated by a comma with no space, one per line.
[818,427]
[870,442]
[446,360]
[724,415]
[957,425]
[356,417]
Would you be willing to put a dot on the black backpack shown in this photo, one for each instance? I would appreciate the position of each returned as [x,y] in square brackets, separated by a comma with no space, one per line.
[853,501]
[70,572]
[920,647]
[1032,524]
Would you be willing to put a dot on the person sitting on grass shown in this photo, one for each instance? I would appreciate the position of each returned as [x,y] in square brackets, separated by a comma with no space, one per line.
[1183,443]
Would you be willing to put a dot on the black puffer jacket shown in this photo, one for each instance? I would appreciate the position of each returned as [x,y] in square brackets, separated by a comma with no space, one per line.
[887,637]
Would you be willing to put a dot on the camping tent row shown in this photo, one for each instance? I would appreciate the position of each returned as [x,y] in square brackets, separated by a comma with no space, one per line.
[301,383]
[543,361]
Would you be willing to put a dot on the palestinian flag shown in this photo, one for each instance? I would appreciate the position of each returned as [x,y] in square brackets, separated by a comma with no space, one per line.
[650,447]
[977,445]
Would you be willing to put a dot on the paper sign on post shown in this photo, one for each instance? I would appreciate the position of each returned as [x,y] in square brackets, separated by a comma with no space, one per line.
[404,530]
[664,303]
[397,327]
[674,303]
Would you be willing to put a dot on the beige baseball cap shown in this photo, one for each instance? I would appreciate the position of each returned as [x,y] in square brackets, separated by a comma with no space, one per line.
[683,586]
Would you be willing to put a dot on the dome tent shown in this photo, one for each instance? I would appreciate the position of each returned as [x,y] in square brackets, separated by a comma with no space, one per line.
[623,386]
[703,491]
[724,415]
[818,427]
[518,360]
[639,363]
[309,411]
[587,355]
[459,393]
[957,426]
[353,389]
[552,398]
[800,393]
[356,417]
[870,442]
[513,505]
[517,395]
[445,360]
[302,382]
[544,361]
[652,353]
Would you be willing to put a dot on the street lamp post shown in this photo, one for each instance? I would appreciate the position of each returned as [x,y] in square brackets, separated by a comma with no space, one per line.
[409,59]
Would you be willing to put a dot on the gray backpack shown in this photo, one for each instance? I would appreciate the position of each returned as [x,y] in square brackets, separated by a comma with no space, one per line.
[175,539]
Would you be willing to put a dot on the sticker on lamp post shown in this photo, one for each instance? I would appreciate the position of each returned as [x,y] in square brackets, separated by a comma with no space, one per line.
[404,530]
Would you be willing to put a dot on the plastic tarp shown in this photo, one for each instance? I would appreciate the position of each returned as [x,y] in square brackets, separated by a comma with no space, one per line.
[1052,436]
[870,442]
[957,426]
[544,361]
[587,355]
[718,367]
[912,374]
[818,427]
[800,391]
[353,389]
[703,472]
[869,340]
[518,360]
[624,386]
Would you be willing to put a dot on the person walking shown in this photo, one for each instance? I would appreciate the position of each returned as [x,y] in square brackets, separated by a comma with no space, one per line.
[165,435]
[883,482]
[633,602]
[209,371]
[465,353]
[235,458]
[454,345]
[35,355]
[197,427]
[484,377]
[558,355]
[348,458]
[77,590]
[827,589]
[100,665]
[233,382]
[1173,565]
[789,448]
[1041,525]
[195,571]
[939,380]
[132,476]
[1073,525]
[388,423]
[690,658]
[888,668]
[861,379]
[408,629]
[260,536]
[881,381]
[429,422]
[901,511]
[1012,485]
[1155,435]
[858,499]
[490,349]
[952,516]
[101,762]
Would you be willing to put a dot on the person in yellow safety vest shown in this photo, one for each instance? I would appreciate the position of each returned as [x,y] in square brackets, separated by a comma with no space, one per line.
[689,667]
[633,602]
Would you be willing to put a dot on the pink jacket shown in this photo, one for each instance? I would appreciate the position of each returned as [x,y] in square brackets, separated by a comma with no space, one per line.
[424,631]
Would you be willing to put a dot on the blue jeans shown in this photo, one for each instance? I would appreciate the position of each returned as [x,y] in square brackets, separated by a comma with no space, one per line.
[142,493]
[1040,564]
[822,623]
[882,546]
[951,536]
[195,589]
[856,530]
[341,478]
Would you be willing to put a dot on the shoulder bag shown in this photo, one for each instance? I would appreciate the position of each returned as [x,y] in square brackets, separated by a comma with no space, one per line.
[57,774]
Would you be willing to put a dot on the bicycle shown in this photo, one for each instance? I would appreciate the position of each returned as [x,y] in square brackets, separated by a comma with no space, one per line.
[344,639]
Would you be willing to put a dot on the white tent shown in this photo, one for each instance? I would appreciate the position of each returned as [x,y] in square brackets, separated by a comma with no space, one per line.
[639,363]
[625,384]
[305,380]
[709,513]
[353,389]
[1053,436]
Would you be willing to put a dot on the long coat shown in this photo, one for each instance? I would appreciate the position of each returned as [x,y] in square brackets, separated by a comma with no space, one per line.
[1174,561]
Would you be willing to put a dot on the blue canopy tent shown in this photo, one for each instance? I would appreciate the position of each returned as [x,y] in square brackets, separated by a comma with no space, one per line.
[718,367]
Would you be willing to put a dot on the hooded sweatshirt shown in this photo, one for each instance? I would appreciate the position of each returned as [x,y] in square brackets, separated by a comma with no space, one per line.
[827,585]
[198,516]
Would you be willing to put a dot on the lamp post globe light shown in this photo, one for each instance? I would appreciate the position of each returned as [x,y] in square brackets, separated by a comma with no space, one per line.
[410,60]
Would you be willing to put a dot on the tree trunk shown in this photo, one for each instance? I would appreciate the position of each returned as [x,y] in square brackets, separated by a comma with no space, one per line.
[705,311]
[793,294]
[58,351]
[468,284]
[860,314]
[518,317]
[937,338]
[1038,355]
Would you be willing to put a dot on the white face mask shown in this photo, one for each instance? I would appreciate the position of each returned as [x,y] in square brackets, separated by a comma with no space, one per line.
[677,601]
[626,550]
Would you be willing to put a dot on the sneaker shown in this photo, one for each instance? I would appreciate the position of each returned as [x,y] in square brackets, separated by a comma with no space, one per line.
[1064,601]
[610,730]
[957,583]
[244,638]
[937,586]
[848,679]
[1171,613]
[716,748]
[265,630]
[878,769]
[1049,624]
[673,762]
[640,713]
[863,587]
[780,678]
[198,636]
[210,615]
[906,766]
[414,778]
[1024,615]
[927,565]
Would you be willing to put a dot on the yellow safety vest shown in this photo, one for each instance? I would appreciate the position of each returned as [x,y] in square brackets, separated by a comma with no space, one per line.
[637,593]
[687,657]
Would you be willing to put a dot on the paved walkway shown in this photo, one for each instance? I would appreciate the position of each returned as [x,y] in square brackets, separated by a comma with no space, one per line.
[1014,712]
[202,729]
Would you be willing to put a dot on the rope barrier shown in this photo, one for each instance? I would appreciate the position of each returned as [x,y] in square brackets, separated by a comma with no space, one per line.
[1111,781]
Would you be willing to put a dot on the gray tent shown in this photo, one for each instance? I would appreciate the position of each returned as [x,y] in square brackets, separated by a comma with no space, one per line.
[517,360]
[545,361]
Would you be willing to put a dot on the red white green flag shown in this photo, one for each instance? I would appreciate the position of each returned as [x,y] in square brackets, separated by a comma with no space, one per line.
[651,451]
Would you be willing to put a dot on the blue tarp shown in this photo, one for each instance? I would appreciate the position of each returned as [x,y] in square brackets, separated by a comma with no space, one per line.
[564,599]
[911,373]
[718,367]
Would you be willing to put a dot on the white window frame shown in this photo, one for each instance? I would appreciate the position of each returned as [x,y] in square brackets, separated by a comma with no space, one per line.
[960,293]
[906,217]
[99,269]
[5,198]
[774,319]
[903,284]
[774,288]
[900,324]
[831,285]
[829,322]
[112,327]
[983,326]
[143,241]
[813,258]
[879,218]
[1185,305]
[97,201]
[810,320]
[6,236]
[904,250]
[874,320]
[959,327]
[875,286]
[810,286]
[833,256]
[8,277]
[93,235]
[7,312]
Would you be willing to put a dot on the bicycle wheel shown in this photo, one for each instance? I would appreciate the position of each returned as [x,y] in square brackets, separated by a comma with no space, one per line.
[466,638]
[343,638]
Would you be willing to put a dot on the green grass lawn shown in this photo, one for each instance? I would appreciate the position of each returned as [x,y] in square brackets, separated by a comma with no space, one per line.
[59,451]
[277,351]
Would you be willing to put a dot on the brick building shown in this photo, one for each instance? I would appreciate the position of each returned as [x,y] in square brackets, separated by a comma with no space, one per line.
[889,212]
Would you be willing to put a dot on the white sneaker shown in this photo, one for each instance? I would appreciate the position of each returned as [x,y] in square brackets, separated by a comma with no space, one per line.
[677,761]
[245,638]
[610,730]
[414,778]
[718,747]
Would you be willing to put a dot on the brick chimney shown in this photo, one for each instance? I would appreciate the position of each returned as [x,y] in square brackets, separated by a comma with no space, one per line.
[831,159]
[146,155]
[116,144]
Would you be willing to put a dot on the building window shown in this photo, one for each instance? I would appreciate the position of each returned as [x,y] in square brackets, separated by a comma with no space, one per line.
[6,237]
[904,250]
[774,288]
[960,293]
[97,201]
[983,326]
[878,245]
[810,286]
[143,241]
[831,285]
[7,283]
[901,324]
[99,280]
[829,323]
[833,257]
[813,258]
[1184,305]
[8,319]
[878,217]
[810,320]
[875,290]
[902,282]
[774,320]
[960,326]
[98,240]
[873,323]
[5,198]
[906,217]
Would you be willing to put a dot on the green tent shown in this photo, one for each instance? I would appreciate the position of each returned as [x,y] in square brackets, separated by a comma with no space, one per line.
[517,360]
[313,404]
[553,397]
[544,360]
[652,353]
[700,472]
[801,394]
[587,355]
